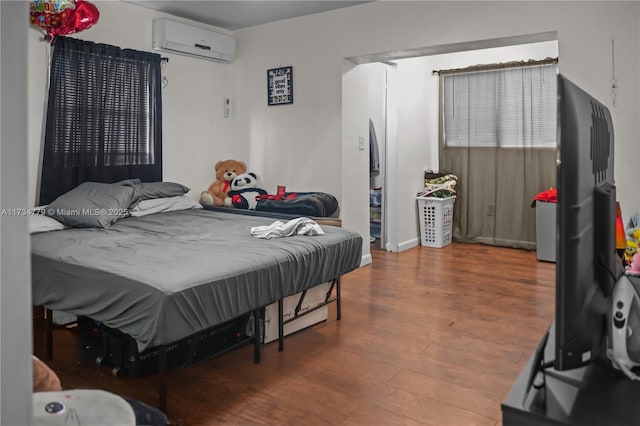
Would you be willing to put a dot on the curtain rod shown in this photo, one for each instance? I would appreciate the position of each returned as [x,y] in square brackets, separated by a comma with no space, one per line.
[491,67]
[48,39]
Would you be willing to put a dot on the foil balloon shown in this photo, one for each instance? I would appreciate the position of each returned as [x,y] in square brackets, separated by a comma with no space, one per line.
[51,15]
[61,17]
[84,16]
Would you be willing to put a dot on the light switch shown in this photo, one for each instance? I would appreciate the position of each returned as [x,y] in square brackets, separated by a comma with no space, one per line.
[361,143]
[227,107]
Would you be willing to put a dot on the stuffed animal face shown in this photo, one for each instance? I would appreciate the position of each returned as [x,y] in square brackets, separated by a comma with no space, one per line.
[228,169]
[244,181]
[630,251]
[634,268]
[244,192]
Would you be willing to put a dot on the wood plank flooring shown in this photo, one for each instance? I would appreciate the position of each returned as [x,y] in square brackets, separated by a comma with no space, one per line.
[427,337]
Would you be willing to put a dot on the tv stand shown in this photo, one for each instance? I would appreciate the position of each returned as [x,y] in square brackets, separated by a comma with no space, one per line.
[590,395]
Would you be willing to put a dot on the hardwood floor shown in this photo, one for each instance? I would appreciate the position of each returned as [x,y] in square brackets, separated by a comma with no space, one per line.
[427,337]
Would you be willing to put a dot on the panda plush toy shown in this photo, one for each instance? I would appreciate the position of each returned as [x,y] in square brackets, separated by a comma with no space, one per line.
[244,192]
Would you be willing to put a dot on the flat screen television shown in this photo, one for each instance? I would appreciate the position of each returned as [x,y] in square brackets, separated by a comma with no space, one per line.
[587,266]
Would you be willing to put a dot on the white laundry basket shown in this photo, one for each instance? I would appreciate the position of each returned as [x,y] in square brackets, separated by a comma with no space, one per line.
[436,220]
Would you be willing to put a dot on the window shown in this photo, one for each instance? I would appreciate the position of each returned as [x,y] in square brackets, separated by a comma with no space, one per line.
[499,131]
[104,116]
[512,107]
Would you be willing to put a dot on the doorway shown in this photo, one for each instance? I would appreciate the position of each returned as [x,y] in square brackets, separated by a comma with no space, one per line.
[411,136]
[381,113]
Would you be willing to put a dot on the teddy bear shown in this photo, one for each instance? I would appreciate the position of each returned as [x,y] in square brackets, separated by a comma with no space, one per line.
[225,172]
[44,378]
[244,192]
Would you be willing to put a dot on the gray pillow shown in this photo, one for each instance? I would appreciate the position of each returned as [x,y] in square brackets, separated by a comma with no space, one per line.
[93,205]
[128,182]
[152,190]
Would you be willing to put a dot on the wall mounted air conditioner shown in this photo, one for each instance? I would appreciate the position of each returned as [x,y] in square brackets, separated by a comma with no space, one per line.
[186,39]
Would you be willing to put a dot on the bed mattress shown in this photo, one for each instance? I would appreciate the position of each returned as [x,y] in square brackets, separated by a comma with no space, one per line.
[166,276]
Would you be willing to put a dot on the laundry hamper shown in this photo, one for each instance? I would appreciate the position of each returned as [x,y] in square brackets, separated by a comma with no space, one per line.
[436,220]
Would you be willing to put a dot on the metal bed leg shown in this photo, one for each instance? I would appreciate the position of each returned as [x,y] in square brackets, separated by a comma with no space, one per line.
[162,378]
[327,297]
[49,334]
[256,337]
[280,325]
[338,300]
[299,305]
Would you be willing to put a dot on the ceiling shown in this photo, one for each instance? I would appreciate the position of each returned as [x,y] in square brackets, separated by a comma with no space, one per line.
[237,14]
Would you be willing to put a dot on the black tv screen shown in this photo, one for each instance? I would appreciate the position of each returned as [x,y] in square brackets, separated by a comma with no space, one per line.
[586,253]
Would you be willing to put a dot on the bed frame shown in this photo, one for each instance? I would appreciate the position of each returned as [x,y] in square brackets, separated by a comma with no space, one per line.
[164,371]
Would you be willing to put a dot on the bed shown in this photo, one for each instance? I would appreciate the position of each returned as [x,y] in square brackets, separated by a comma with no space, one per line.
[165,276]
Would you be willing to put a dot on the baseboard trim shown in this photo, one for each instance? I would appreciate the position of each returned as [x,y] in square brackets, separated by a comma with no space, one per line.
[415,242]
[366,259]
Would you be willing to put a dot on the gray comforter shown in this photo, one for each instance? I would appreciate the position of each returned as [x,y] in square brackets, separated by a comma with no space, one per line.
[165,276]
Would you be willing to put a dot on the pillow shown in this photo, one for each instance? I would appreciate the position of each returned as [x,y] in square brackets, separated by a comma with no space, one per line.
[93,205]
[128,181]
[42,223]
[160,205]
[151,190]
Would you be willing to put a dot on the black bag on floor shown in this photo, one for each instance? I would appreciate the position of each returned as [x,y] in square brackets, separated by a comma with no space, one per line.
[119,351]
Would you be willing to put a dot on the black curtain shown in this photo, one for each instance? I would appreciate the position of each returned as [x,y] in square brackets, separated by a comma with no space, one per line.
[104,117]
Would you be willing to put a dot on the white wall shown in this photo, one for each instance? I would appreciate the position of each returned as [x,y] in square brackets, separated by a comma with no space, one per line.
[15,289]
[196,135]
[301,144]
[355,127]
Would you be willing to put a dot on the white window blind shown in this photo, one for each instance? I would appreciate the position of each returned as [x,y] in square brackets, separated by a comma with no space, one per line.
[512,107]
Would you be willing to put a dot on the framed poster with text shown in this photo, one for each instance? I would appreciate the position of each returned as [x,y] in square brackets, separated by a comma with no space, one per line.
[280,86]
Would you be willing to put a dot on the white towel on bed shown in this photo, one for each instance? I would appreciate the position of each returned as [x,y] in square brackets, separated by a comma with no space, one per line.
[298,226]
